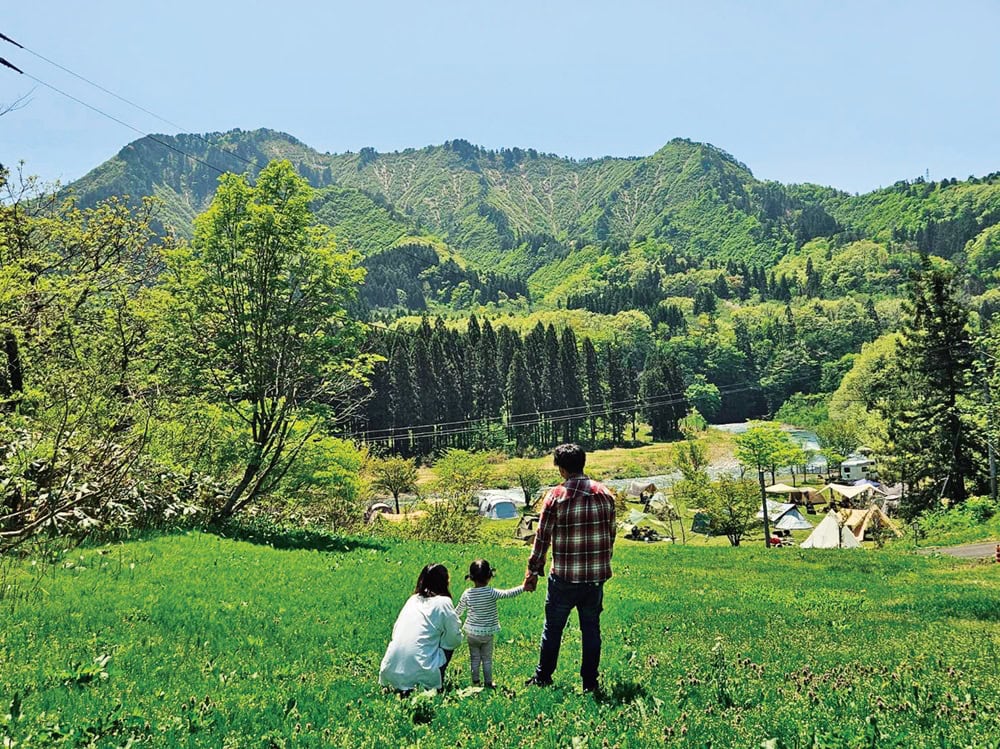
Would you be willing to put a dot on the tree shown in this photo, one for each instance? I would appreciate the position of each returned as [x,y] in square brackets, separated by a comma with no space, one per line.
[763,446]
[703,396]
[525,474]
[838,438]
[933,430]
[461,473]
[660,387]
[260,322]
[76,398]
[394,475]
[595,389]
[573,396]
[731,504]
[519,398]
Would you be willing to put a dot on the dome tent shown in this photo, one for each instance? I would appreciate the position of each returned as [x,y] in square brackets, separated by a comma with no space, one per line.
[498,508]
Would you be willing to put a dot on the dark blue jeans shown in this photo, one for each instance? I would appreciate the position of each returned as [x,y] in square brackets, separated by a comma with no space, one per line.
[561,598]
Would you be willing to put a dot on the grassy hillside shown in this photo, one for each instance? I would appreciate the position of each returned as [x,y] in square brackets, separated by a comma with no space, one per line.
[692,196]
[197,640]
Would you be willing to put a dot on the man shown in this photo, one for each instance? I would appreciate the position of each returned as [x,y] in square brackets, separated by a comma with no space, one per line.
[578,522]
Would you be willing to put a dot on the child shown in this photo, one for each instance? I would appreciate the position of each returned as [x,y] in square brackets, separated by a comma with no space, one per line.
[482,622]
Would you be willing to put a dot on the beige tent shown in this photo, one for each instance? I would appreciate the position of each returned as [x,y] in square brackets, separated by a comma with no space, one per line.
[781,489]
[861,521]
[829,534]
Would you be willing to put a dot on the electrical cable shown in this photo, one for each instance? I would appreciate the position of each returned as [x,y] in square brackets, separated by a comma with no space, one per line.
[98,86]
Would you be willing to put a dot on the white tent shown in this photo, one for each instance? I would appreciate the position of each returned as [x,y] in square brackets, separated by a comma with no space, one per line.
[829,534]
[497,508]
[638,488]
[784,517]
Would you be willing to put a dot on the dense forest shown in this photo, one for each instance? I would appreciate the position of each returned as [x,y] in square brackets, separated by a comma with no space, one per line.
[458,297]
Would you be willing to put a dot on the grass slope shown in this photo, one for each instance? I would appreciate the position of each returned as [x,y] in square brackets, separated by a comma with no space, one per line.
[198,640]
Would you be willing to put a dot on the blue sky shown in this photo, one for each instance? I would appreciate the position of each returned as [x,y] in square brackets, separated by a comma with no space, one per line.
[850,94]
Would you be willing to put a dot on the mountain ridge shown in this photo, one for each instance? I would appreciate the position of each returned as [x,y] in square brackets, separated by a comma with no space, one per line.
[529,215]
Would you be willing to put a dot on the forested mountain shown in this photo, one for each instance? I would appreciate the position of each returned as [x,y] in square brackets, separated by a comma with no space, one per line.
[517,298]
[519,211]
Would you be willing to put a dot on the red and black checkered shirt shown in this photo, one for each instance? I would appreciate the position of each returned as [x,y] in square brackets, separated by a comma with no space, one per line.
[578,522]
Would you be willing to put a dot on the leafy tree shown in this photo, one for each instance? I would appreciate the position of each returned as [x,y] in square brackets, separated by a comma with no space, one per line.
[394,475]
[703,396]
[763,446]
[258,306]
[525,474]
[75,371]
[731,504]
[838,438]
[461,473]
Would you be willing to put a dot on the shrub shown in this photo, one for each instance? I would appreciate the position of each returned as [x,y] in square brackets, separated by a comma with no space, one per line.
[979,509]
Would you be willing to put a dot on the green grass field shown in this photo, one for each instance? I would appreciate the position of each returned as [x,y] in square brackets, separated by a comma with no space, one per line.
[197,640]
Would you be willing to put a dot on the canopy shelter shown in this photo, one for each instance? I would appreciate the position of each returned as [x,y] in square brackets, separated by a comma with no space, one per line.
[848,492]
[875,485]
[643,526]
[635,518]
[660,504]
[830,534]
[643,489]
[872,518]
[802,495]
[784,517]
[497,508]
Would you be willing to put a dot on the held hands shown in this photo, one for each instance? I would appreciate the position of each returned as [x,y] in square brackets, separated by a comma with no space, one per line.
[530,581]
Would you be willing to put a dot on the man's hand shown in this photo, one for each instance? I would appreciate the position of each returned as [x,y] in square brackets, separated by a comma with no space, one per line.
[530,581]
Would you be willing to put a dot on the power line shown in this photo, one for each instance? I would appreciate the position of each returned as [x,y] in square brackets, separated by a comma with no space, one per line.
[98,86]
[125,124]
[663,399]
[659,401]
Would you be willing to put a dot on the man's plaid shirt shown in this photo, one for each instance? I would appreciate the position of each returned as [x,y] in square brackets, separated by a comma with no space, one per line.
[578,522]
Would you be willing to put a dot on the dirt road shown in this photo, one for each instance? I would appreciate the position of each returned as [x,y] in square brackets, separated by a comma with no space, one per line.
[967,551]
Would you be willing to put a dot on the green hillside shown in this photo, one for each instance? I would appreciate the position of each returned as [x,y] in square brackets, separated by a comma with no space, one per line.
[196,640]
[605,234]
[694,197]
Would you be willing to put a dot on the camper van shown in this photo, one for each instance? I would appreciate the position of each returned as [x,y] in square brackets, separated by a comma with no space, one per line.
[858,466]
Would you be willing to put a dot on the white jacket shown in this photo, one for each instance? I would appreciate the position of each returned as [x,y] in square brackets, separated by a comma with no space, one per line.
[424,629]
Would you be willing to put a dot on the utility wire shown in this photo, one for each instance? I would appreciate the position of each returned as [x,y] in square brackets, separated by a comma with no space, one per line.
[153,138]
[98,86]
[658,401]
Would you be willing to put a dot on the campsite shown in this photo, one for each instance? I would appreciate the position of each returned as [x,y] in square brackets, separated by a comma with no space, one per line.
[543,374]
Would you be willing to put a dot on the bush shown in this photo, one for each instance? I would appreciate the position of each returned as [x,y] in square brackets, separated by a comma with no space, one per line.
[979,509]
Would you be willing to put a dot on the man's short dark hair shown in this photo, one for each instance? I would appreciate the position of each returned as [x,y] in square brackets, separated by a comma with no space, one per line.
[571,457]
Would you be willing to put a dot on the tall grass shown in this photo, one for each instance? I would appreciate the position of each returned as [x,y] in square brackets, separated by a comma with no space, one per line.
[197,640]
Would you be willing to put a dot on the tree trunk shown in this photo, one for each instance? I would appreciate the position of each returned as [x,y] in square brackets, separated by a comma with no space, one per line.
[15,374]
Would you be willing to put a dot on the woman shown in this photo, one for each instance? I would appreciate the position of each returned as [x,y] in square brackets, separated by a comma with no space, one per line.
[426,632]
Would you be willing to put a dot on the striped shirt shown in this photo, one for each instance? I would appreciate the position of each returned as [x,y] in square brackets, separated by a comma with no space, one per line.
[578,522]
[481,604]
